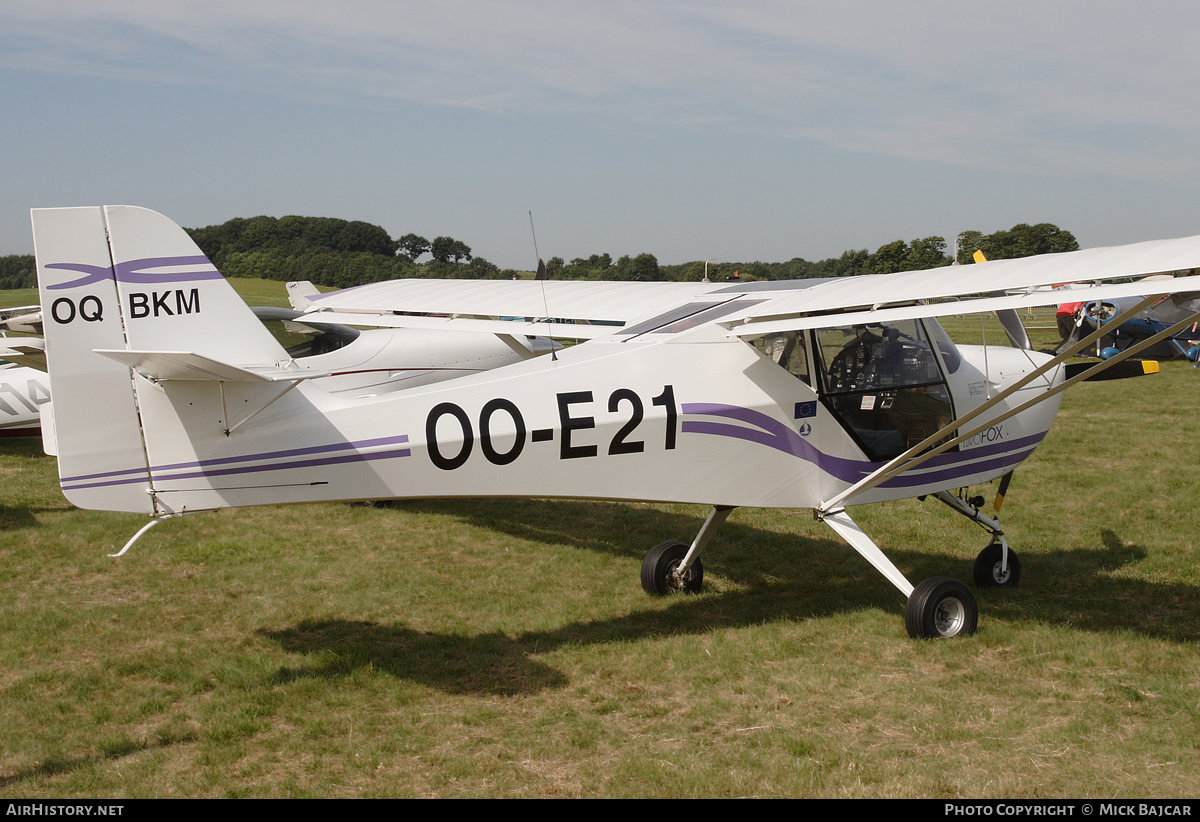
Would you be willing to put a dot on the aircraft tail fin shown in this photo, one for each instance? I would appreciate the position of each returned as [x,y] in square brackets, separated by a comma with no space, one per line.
[300,294]
[122,278]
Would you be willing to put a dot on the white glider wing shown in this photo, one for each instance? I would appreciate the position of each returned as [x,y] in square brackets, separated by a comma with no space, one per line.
[575,309]
[755,309]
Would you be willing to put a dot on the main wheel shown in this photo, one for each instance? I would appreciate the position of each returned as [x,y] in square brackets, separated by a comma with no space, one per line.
[987,568]
[941,607]
[658,570]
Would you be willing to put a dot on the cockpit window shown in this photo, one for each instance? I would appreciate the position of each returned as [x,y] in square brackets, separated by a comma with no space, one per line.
[951,357]
[884,385]
[301,339]
[786,349]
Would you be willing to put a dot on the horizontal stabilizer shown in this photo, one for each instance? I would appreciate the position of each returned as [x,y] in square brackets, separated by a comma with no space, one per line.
[27,351]
[184,365]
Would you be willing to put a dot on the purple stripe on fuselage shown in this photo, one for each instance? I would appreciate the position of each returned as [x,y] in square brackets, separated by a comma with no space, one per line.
[131,475]
[309,463]
[255,469]
[775,434]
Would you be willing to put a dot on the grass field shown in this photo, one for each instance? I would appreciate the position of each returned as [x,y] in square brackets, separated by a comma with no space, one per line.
[504,648]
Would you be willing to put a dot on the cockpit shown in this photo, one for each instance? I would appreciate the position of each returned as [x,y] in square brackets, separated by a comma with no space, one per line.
[301,339]
[884,383]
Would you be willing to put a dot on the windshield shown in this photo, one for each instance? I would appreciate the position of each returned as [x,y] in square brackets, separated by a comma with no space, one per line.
[883,384]
[304,339]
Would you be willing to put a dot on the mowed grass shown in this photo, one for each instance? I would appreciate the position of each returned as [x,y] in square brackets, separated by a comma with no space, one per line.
[497,648]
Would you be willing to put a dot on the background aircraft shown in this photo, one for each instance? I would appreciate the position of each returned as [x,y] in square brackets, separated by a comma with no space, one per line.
[819,394]
[23,388]
[381,360]
[360,362]
[26,319]
[23,392]
[1089,316]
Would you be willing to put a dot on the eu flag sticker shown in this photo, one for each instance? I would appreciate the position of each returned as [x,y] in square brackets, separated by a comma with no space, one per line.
[806,409]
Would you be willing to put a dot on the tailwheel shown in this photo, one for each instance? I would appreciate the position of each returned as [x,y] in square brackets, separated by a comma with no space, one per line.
[989,571]
[941,607]
[660,574]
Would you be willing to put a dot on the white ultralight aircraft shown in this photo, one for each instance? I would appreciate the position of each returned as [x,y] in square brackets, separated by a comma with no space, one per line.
[368,362]
[819,394]
[23,392]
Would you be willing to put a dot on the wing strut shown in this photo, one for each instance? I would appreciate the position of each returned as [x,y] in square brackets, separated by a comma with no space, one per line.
[916,455]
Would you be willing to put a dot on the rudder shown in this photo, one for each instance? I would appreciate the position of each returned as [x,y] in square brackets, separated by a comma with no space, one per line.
[101,456]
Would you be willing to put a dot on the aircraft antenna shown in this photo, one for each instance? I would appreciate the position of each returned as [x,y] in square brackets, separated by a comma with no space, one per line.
[541,275]
[534,233]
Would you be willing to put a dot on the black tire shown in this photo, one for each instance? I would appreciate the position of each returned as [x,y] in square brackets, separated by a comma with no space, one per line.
[987,568]
[661,561]
[941,607]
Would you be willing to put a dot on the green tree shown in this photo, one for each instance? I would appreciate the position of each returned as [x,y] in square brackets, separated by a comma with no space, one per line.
[1021,240]
[448,249]
[642,268]
[412,246]
[849,264]
[889,258]
[929,252]
[18,271]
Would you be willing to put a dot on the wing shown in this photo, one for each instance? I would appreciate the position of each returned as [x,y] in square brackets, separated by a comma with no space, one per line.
[572,309]
[25,351]
[588,309]
[26,319]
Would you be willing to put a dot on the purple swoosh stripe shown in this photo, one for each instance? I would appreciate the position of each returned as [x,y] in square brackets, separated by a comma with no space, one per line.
[955,472]
[93,274]
[276,455]
[777,435]
[137,271]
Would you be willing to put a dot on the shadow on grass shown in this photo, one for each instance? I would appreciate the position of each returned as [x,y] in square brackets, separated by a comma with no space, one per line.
[481,664]
[18,517]
[776,577]
[1079,585]
[110,751]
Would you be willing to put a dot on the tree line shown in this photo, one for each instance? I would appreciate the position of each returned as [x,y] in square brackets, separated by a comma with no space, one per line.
[1021,240]
[341,253]
[333,252]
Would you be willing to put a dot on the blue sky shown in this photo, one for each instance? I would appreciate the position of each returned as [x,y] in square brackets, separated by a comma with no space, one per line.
[691,130]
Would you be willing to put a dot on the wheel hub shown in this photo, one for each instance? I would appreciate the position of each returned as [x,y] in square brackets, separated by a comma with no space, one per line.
[949,616]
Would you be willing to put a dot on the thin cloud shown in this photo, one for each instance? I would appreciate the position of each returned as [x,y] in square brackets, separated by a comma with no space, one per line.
[967,84]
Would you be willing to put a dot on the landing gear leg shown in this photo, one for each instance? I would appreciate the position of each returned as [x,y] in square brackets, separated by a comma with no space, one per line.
[673,566]
[997,565]
[938,607]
